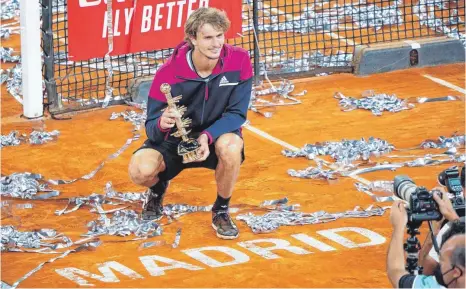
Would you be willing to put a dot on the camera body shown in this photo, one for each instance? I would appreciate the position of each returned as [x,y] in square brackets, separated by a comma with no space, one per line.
[422,206]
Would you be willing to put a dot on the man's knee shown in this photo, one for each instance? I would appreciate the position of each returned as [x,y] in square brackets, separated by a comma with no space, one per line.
[145,165]
[229,148]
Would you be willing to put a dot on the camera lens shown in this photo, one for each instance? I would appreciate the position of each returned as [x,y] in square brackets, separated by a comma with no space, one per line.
[403,186]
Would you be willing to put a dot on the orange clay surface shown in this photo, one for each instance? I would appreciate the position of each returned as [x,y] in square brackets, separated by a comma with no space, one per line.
[88,138]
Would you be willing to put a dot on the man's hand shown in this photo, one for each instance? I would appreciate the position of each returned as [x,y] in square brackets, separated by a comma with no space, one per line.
[203,152]
[167,120]
[444,204]
[398,215]
[395,257]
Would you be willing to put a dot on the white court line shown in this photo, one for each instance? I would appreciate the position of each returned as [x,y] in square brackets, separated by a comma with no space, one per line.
[271,138]
[445,83]
[290,17]
[291,147]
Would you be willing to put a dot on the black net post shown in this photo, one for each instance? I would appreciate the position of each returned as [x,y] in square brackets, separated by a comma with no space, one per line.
[255,21]
[47,47]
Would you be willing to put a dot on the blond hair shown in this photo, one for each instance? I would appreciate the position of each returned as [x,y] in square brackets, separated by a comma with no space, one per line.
[213,16]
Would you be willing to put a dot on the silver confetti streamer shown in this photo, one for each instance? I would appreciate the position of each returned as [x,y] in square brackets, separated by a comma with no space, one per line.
[437,99]
[375,168]
[5,32]
[26,186]
[426,10]
[11,139]
[41,137]
[279,205]
[108,62]
[382,186]
[445,142]
[36,137]
[24,206]
[45,239]
[161,54]
[414,156]
[281,97]
[124,197]
[4,204]
[137,119]
[87,101]
[312,20]
[295,207]
[123,223]
[152,244]
[4,75]
[307,62]
[86,246]
[127,63]
[14,83]
[6,55]
[377,103]
[372,15]
[321,21]
[344,152]
[271,221]
[10,9]
[97,200]
[178,210]
[176,243]
[429,161]
[314,173]
[92,200]
[274,202]
[375,187]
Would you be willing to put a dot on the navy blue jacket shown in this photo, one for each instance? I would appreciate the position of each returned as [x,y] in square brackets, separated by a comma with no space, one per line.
[216,105]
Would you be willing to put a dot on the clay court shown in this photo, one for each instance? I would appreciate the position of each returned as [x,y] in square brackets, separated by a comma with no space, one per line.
[345,253]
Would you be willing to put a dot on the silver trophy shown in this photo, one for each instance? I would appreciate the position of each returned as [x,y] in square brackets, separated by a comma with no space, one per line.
[188,147]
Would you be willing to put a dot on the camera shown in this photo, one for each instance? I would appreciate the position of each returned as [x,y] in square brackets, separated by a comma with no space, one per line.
[451,179]
[422,206]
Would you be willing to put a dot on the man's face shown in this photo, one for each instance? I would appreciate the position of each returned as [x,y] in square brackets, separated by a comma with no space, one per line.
[453,276]
[209,41]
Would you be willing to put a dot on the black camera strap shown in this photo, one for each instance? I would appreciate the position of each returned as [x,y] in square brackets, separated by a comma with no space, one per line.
[434,240]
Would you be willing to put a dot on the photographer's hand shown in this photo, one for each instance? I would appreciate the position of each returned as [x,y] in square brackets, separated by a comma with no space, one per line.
[445,206]
[398,216]
[395,257]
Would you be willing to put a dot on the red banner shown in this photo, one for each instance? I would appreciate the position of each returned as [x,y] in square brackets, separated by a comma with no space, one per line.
[138,25]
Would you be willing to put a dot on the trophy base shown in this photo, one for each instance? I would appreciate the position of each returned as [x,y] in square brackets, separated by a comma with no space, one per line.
[190,157]
[188,150]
